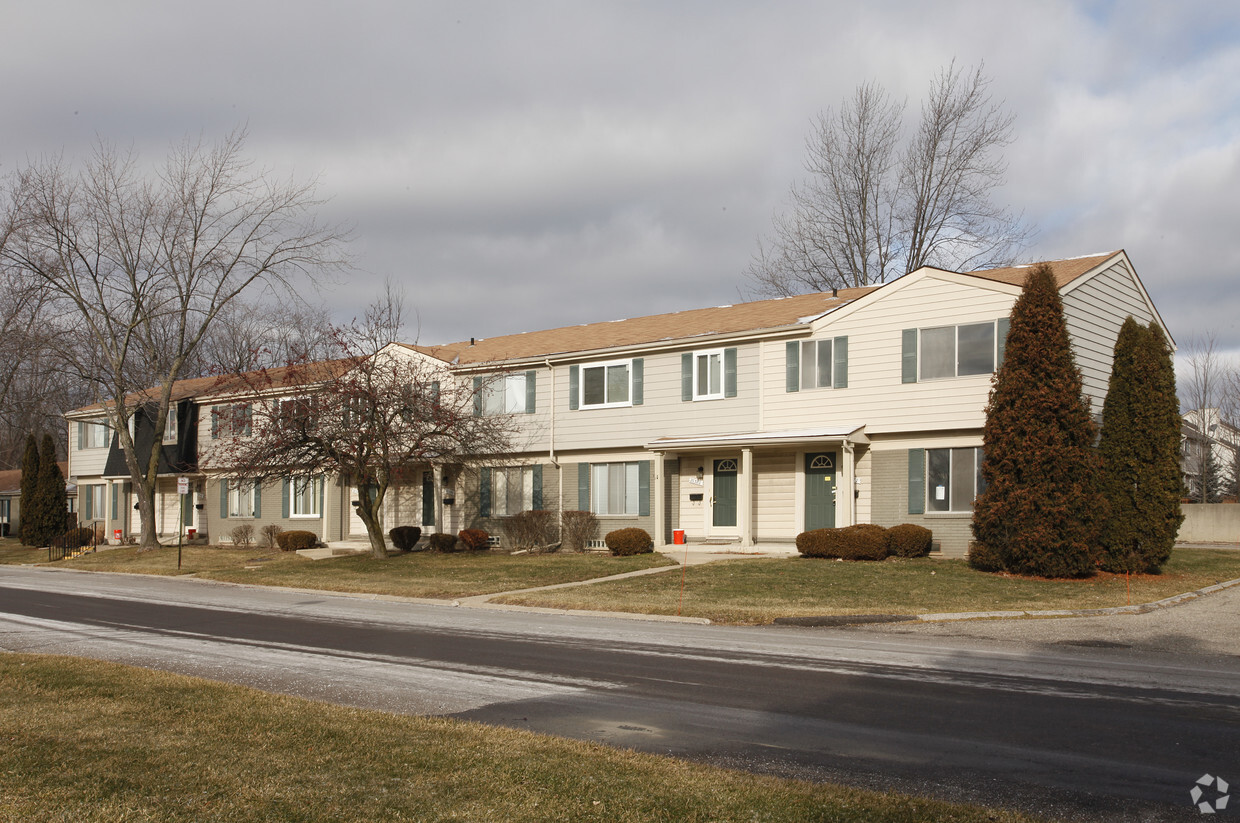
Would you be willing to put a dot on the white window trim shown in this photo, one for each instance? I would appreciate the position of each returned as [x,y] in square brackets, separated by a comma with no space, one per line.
[581,388]
[254,492]
[294,497]
[596,495]
[956,375]
[503,385]
[170,417]
[707,353]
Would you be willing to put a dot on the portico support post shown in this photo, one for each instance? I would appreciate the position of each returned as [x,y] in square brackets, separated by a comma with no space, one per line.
[660,500]
[745,497]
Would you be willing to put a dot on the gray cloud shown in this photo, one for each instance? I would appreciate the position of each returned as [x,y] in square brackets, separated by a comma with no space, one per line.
[522,166]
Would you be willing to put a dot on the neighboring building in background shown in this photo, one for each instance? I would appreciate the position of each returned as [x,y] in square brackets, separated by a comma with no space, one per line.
[740,424]
[1210,447]
[11,499]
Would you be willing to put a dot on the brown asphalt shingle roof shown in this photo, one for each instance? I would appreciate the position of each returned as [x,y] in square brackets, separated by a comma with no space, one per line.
[741,317]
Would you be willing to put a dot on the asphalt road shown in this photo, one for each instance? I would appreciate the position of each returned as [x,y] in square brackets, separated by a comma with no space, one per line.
[1080,732]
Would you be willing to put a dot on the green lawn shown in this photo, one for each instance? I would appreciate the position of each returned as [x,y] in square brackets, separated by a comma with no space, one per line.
[87,741]
[759,590]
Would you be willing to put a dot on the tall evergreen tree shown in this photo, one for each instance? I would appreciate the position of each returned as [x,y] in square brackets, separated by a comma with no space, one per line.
[1140,449]
[30,483]
[1042,507]
[52,499]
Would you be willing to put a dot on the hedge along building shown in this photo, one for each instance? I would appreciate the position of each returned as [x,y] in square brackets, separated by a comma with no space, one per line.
[735,424]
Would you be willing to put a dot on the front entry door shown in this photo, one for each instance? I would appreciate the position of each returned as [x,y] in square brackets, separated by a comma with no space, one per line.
[820,491]
[723,497]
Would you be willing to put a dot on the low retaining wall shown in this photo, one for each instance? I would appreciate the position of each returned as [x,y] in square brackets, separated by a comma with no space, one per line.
[1210,523]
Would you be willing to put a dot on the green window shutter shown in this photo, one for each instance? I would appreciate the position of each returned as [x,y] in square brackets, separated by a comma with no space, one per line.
[792,365]
[477,397]
[639,378]
[643,488]
[286,494]
[686,376]
[321,482]
[81,435]
[249,418]
[729,372]
[428,498]
[484,492]
[536,500]
[531,391]
[187,509]
[839,371]
[583,487]
[116,493]
[434,391]
[908,356]
[258,499]
[86,504]
[574,373]
[224,499]
[916,481]
[1001,333]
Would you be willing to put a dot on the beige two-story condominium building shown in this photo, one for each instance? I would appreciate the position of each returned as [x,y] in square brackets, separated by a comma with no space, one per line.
[743,424]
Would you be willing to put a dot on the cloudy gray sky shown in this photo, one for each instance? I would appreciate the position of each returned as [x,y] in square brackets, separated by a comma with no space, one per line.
[518,166]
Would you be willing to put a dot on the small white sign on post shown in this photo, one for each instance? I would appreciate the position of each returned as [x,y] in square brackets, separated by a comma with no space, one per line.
[182,485]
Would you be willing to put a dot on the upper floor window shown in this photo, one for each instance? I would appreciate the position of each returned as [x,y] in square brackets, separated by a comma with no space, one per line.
[817,364]
[607,384]
[953,351]
[170,426]
[231,420]
[93,434]
[505,393]
[708,375]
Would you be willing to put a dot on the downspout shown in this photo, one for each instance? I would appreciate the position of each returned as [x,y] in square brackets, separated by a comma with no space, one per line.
[559,477]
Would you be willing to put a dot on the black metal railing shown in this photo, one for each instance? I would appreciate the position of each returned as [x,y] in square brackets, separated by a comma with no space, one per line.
[72,543]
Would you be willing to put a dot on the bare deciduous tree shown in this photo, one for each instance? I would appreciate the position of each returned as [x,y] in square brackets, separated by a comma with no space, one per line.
[1210,399]
[369,416]
[872,209]
[143,265]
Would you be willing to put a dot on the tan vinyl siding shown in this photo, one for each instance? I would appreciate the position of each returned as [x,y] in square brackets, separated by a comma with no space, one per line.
[875,396]
[1095,310]
[889,483]
[662,411]
[774,499]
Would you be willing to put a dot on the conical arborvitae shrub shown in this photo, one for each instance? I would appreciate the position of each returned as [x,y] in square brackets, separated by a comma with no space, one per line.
[1042,507]
[1140,448]
[52,499]
[29,493]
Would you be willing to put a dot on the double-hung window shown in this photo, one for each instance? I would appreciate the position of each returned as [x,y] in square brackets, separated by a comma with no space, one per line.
[953,479]
[232,420]
[614,488]
[93,434]
[503,393]
[953,351]
[606,384]
[304,496]
[242,498]
[170,425]
[816,364]
[708,375]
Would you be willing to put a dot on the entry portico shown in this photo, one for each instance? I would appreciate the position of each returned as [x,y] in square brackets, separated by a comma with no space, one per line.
[729,474]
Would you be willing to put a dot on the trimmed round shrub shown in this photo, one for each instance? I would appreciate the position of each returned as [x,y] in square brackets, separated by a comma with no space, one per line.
[909,540]
[864,541]
[295,540]
[625,542]
[474,540]
[404,538]
[442,542]
[984,559]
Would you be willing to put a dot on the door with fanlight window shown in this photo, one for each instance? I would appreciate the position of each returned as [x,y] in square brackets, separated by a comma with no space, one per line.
[722,516]
[820,481]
